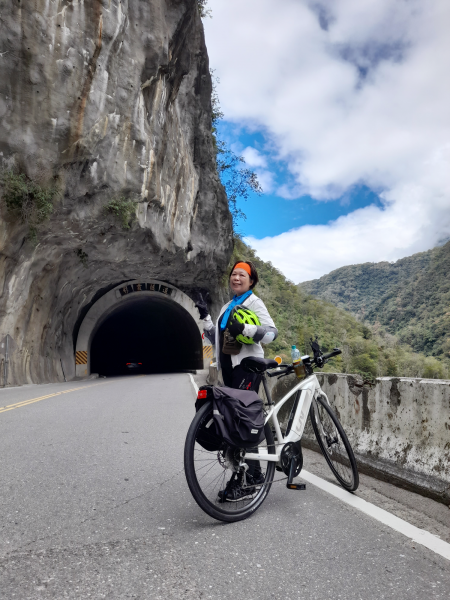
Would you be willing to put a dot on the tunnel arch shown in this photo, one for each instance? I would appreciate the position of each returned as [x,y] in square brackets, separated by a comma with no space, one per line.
[150,310]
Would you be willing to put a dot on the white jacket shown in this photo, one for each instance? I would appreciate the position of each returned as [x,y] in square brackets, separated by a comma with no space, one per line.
[267,332]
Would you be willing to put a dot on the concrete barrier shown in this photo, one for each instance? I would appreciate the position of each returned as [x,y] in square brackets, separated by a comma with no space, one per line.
[399,427]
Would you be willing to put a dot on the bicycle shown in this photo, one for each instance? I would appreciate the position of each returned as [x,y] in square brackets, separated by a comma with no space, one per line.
[211,472]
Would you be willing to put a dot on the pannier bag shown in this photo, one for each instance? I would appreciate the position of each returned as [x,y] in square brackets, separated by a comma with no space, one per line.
[238,417]
[207,435]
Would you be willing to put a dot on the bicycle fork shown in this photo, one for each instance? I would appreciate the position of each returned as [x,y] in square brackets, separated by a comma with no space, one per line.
[331,437]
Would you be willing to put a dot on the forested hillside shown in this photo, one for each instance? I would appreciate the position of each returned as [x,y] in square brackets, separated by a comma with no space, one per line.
[359,288]
[368,350]
[409,298]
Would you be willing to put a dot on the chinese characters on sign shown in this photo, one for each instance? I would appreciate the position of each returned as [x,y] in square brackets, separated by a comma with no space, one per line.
[145,287]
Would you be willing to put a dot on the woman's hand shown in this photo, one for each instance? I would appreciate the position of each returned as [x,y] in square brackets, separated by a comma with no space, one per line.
[235,328]
[202,308]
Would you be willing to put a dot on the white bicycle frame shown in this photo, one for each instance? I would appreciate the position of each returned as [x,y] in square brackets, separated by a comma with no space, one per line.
[310,389]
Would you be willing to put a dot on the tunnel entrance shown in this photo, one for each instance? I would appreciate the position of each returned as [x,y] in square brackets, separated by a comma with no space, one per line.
[142,327]
[148,335]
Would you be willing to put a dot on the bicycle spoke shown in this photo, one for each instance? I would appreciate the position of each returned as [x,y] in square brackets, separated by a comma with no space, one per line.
[213,462]
[204,474]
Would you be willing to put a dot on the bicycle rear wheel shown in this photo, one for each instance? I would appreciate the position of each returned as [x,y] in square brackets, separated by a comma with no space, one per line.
[208,472]
[334,444]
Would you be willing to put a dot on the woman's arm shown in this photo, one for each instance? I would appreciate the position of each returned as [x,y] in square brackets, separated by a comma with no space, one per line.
[261,333]
[264,333]
[208,326]
[209,329]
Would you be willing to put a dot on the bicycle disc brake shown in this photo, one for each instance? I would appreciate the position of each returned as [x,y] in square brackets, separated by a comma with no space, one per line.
[291,451]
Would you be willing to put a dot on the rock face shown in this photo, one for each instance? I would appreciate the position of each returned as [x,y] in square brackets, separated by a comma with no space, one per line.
[111,99]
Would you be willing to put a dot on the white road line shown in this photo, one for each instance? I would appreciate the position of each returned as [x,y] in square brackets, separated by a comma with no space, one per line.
[420,536]
[194,385]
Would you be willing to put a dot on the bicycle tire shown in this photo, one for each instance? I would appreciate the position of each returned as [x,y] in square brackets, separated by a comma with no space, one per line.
[334,444]
[207,472]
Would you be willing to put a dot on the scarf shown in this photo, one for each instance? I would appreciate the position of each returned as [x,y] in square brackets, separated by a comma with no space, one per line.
[236,300]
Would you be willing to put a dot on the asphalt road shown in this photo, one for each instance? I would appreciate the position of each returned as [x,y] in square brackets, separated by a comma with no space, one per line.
[94,504]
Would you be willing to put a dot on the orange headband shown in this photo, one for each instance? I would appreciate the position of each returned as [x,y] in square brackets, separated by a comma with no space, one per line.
[244,266]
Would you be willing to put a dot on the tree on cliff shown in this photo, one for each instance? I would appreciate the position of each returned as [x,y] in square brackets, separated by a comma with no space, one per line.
[202,8]
[238,180]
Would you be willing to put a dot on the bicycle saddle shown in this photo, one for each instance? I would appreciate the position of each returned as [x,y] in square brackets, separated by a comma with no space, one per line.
[255,364]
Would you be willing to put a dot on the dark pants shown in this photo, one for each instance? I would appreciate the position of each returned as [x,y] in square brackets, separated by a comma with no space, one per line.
[239,379]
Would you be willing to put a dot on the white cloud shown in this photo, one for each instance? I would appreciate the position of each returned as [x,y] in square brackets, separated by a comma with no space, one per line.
[369,234]
[253,157]
[266,180]
[258,163]
[289,192]
[350,92]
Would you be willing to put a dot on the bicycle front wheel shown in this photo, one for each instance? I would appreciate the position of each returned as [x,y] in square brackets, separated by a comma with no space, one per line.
[209,472]
[334,444]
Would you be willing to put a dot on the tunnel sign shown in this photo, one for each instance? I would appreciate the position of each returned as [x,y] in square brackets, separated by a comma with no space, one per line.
[145,287]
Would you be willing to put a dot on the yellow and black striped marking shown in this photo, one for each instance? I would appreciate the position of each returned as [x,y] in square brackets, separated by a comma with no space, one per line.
[81,357]
[207,351]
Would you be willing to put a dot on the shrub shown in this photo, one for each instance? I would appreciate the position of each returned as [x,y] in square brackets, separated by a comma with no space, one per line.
[82,256]
[364,365]
[28,200]
[124,209]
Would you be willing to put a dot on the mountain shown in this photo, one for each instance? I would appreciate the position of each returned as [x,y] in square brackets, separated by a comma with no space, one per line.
[409,298]
[369,350]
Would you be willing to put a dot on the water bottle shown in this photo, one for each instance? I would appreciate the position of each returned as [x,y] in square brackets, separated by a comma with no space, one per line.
[295,353]
[299,369]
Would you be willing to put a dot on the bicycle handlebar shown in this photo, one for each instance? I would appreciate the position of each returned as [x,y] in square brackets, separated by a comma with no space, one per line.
[277,373]
[286,369]
[334,352]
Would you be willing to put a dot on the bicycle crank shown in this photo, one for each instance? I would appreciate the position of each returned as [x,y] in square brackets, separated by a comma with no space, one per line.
[291,460]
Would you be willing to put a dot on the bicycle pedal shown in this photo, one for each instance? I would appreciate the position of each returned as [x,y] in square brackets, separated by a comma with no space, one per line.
[296,486]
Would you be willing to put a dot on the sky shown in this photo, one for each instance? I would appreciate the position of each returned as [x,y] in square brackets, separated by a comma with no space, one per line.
[343,110]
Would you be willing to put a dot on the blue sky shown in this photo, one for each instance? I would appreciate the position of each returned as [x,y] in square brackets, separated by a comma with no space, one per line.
[342,110]
[270,214]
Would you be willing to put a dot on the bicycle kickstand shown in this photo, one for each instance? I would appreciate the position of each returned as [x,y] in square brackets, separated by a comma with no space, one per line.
[290,485]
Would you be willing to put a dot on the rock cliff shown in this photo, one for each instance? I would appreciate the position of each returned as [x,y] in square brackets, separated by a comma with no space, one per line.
[104,99]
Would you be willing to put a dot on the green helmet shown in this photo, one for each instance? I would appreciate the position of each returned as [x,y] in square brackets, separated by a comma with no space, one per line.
[246,316]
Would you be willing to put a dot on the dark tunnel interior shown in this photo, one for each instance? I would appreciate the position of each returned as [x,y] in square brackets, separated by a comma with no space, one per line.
[155,334]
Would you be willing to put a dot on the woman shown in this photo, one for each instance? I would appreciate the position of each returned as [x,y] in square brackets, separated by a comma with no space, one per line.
[243,278]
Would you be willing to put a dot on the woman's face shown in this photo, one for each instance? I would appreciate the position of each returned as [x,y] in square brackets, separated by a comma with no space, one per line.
[240,281]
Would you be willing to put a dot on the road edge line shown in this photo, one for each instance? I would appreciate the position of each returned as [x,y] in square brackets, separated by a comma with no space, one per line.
[194,385]
[420,536]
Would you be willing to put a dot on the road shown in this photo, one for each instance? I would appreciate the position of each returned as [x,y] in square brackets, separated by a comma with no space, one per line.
[94,504]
